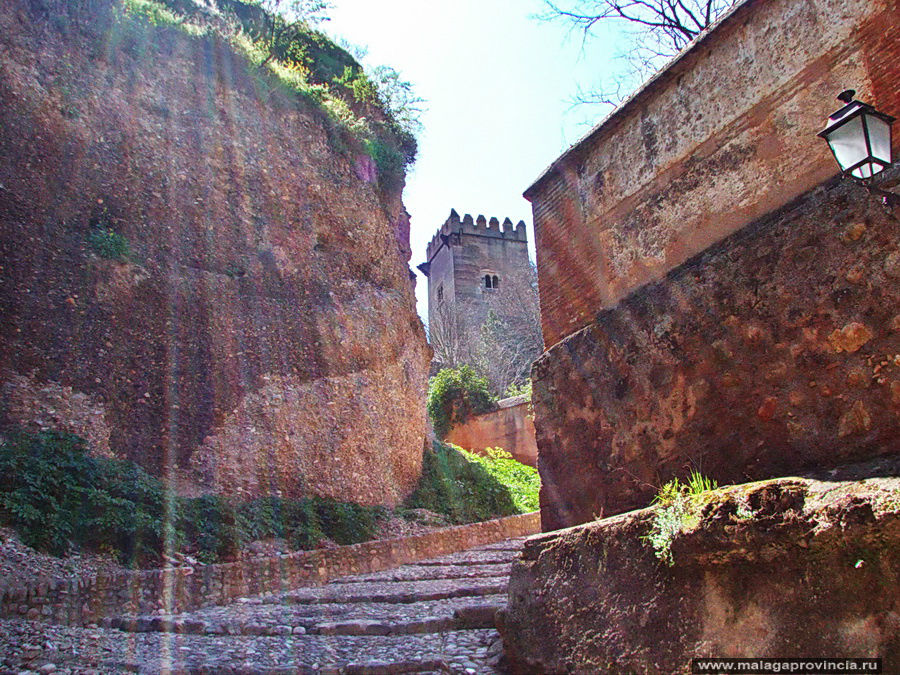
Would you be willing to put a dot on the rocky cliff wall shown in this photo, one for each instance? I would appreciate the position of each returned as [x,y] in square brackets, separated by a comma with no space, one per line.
[774,351]
[259,335]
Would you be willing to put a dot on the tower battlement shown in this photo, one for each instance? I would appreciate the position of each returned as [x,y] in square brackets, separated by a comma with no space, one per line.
[480,226]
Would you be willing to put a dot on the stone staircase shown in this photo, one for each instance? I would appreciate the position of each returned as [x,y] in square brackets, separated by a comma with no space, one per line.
[433,616]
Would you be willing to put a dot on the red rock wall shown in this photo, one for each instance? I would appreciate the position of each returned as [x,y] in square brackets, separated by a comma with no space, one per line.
[774,351]
[510,428]
[262,334]
[723,136]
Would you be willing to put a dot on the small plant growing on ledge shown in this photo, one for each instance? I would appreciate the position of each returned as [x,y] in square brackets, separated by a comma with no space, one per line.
[677,510]
[109,244]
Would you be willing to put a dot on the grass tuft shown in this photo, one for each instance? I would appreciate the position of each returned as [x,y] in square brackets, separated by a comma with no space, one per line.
[678,508]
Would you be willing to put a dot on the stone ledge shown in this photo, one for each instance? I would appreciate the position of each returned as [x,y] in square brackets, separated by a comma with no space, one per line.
[789,567]
[82,601]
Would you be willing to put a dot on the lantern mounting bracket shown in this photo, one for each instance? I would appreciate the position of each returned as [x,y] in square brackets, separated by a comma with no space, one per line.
[888,198]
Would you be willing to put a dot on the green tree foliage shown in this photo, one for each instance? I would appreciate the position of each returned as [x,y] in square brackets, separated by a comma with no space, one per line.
[454,395]
[523,389]
[399,99]
[469,488]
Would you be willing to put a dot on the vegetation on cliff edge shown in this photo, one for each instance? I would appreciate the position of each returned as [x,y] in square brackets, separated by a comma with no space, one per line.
[373,112]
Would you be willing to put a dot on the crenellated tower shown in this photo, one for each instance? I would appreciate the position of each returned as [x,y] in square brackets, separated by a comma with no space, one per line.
[470,261]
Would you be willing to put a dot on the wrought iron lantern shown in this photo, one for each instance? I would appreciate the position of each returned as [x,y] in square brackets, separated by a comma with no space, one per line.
[859,137]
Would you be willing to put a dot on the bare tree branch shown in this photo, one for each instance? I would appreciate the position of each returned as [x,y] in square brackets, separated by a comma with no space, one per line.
[663,28]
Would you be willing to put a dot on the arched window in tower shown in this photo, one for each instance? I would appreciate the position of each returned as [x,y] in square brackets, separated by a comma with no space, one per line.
[488,281]
[496,281]
[440,292]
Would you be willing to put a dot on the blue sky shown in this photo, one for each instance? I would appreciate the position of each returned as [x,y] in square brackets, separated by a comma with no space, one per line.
[498,86]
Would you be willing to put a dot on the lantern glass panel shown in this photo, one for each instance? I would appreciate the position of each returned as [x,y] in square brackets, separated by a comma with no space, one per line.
[879,138]
[848,143]
[867,170]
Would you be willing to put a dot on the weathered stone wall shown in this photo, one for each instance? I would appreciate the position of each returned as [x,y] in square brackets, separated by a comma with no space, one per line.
[775,350]
[723,136]
[83,601]
[262,330]
[786,568]
[511,427]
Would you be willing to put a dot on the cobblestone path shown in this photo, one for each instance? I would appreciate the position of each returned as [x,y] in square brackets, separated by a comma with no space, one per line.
[435,616]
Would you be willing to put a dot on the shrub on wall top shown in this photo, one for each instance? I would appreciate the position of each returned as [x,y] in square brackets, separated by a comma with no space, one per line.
[454,395]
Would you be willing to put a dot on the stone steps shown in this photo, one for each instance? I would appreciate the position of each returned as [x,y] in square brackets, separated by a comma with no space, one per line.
[435,616]
[462,651]
[474,557]
[398,591]
[355,619]
[426,572]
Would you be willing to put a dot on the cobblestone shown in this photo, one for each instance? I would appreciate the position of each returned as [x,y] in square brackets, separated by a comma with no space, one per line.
[424,572]
[435,616]
[270,615]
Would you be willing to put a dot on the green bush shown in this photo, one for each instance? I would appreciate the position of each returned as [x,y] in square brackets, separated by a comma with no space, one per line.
[454,395]
[209,528]
[345,522]
[468,488]
[109,244]
[60,498]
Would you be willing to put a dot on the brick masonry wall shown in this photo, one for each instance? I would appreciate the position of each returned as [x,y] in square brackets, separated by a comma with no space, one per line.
[510,428]
[775,350]
[84,601]
[723,136]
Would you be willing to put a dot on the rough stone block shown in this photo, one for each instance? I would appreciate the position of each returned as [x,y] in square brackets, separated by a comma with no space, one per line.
[781,568]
